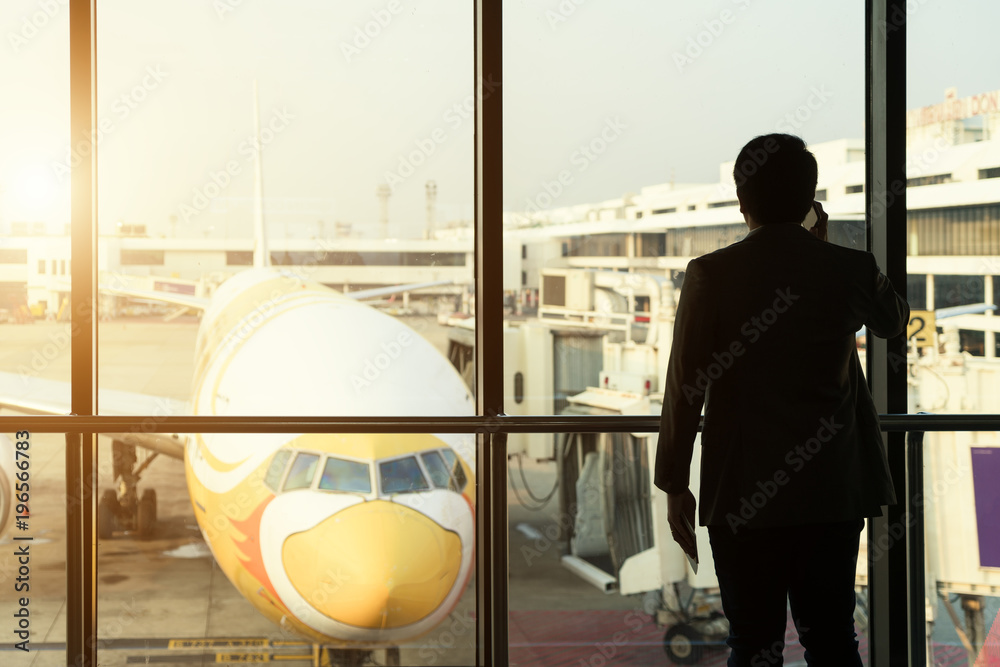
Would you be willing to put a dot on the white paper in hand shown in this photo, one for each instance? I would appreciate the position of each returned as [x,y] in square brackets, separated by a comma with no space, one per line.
[693,562]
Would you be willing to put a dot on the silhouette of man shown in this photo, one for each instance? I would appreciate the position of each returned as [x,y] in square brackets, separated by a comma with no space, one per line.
[792,457]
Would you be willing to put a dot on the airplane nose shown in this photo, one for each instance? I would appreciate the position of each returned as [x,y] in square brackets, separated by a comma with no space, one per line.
[374,565]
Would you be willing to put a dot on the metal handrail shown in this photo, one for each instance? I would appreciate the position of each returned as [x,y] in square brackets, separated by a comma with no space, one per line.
[443,424]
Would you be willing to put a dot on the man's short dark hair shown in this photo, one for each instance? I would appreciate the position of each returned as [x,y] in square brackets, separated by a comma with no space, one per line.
[775,178]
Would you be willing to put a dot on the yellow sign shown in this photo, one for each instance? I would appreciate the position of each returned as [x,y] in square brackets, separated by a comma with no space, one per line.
[921,328]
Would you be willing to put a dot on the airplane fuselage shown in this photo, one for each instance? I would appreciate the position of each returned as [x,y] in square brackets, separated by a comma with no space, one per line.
[360,539]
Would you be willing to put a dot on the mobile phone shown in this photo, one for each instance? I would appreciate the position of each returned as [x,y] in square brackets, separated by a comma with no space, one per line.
[811,218]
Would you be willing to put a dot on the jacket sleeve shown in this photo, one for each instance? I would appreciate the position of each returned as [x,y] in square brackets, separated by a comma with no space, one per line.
[889,313]
[686,382]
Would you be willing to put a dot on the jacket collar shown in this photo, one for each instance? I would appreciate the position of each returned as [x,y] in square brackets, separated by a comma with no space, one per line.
[784,230]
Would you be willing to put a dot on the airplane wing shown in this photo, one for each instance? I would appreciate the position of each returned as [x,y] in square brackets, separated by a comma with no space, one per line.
[394,289]
[38,396]
[195,302]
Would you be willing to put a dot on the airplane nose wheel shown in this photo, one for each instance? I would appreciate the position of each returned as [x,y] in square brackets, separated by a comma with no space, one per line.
[126,510]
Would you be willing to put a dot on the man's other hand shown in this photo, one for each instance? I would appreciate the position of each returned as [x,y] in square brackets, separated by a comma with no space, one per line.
[680,516]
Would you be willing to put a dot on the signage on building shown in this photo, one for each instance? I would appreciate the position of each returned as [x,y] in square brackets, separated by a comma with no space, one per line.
[954,108]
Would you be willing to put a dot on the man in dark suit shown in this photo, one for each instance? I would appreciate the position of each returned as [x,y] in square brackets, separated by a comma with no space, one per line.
[792,457]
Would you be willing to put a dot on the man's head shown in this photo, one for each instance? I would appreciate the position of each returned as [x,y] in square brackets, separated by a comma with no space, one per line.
[775,179]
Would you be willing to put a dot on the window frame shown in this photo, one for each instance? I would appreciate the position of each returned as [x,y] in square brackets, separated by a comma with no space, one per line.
[896,607]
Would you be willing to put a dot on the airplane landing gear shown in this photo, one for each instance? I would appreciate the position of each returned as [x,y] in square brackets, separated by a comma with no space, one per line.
[126,510]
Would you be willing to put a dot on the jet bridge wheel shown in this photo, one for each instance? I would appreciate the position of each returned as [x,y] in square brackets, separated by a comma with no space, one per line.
[146,514]
[683,645]
[107,515]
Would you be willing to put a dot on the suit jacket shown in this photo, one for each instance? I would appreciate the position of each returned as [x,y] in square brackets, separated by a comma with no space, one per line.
[764,337]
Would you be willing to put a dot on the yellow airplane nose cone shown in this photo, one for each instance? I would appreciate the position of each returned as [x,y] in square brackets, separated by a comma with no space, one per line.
[374,565]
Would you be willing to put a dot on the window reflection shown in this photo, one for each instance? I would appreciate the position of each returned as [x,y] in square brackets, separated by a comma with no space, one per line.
[402,476]
[348,476]
[302,472]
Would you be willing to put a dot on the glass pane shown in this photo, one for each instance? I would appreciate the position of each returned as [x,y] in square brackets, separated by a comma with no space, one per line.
[35,164]
[402,476]
[349,476]
[277,469]
[302,472]
[437,469]
[953,260]
[33,547]
[595,577]
[285,207]
[370,576]
[619,169]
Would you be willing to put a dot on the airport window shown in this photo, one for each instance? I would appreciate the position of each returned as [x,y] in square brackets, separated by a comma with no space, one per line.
[160,114]
[13,256]
[239,258]
[302,472]
[524,252]
[733,202]
[296,258]
[821,195]
[659,211]
[277,469]
[131,257]
[518,387]
[437,469]
[852,189]
[992,172]
[936,179]
[348,476]
[402,476]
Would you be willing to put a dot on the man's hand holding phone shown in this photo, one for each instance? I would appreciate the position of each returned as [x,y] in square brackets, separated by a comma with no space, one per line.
[816,221]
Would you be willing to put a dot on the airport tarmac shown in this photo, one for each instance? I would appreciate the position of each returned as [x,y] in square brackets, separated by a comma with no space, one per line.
[164,601]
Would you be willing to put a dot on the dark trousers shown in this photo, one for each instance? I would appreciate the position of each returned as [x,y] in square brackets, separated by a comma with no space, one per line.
[812,567]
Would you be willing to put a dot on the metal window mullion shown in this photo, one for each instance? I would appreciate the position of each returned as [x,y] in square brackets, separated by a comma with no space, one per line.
[81,591]
[491,526]
[886,205]
[891,423]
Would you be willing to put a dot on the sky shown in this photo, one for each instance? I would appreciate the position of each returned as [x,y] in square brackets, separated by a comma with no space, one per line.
[601,98]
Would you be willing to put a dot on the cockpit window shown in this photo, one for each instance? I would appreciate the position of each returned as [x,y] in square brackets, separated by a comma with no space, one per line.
[457,472]
[437,469]
[277,467]
[401,476]
[341,475]
[302,472]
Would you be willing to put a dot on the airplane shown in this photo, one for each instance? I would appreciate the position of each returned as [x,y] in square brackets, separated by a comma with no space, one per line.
[356,541]
[361,540]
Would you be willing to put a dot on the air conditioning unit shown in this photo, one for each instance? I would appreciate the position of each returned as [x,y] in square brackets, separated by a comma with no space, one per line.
[567,289]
